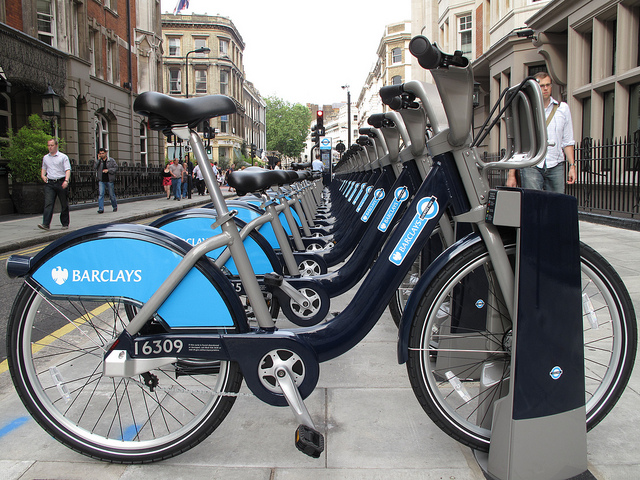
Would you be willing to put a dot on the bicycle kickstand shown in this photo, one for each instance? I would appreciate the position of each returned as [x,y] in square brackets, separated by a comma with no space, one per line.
[308,439]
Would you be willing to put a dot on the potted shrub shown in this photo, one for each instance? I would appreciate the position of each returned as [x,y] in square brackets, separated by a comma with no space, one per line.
[23,153]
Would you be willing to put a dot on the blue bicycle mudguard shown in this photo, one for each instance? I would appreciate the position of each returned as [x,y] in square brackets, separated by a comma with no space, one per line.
[131,262]
[194,226]
[421,286]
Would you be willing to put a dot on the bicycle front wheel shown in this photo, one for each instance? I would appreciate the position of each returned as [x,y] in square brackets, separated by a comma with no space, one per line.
[453,343]
[56,349]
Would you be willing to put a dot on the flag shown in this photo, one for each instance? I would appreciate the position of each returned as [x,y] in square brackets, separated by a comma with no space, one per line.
[182,5]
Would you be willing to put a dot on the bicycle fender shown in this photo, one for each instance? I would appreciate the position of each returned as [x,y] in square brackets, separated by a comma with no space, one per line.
[194,226]
[132,261]
[421,286]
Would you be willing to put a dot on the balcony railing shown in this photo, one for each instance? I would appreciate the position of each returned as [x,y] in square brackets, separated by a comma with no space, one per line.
[608,176]
[130,182]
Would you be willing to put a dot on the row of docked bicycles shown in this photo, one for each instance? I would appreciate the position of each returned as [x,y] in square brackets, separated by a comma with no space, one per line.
[129,343]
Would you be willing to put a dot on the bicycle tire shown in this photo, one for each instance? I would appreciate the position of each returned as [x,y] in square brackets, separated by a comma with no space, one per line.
[609,350]
[56,348]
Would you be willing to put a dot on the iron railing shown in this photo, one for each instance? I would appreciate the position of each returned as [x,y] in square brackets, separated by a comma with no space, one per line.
[608,176]
[130,182]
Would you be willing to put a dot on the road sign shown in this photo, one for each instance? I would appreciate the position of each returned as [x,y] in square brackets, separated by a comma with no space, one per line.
[325,143]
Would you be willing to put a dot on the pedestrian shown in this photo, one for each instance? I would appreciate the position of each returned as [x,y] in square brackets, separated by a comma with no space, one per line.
[176,178]
[317,165]
[197,173]
[55,173]
[189,169]
[185,178]
[166,179]
[106,168]
[549,174]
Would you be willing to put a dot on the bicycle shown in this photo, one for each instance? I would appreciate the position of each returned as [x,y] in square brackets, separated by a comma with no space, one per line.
[146,388]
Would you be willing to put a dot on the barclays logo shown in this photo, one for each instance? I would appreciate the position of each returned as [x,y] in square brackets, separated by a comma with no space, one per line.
[59,275]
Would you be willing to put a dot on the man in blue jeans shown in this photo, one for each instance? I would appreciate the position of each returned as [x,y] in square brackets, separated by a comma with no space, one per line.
[549,174]
[176,178]
[106,168]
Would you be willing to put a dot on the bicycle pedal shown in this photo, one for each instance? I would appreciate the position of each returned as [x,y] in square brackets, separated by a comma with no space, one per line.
[309,441]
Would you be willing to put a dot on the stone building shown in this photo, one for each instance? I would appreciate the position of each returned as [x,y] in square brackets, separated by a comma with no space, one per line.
[392,67]
[97,56]
[589,47]
[203,55]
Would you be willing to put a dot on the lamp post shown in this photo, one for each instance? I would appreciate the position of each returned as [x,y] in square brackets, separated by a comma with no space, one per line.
[51,106]
[186,65]
[346,87]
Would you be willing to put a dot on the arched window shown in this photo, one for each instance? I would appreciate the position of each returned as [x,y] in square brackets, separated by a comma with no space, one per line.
[397,80]
[143,144]
[101,128]
[5,114]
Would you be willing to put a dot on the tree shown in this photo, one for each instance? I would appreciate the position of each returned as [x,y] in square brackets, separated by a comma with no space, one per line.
[287,126]
[25,149]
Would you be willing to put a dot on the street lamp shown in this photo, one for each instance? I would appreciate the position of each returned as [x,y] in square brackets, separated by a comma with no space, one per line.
[51,106]
[186,64]
[346,87]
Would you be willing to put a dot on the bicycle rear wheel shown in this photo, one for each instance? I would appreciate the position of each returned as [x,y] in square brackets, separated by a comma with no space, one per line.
[56,348]
[452,341]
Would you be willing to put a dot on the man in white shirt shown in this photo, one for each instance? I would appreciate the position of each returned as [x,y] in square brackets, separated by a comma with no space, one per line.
[55,173]
[317,165]
[549,174]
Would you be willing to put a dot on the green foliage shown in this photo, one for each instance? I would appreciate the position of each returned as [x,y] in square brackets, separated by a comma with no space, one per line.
[287,126]
[25,149]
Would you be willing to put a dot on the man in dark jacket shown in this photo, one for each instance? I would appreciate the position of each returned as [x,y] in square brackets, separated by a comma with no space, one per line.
[106,168]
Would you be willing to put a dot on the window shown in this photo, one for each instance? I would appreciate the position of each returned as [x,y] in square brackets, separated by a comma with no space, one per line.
[92,52]
[586,117]
[143,144]
[224,124]
[396,80]
[201,80]
[111,5]
[634,108]
[46,23]
[465,34]
[110,59]
[533,69]
[175,83]
[608,115]
[200,43]
[396,55]
[101,127]
[5,114]
[174,47]
[224,47]
[224,82]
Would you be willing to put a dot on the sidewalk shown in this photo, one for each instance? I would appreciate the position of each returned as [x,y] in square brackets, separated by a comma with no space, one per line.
[22,231]
[374,427]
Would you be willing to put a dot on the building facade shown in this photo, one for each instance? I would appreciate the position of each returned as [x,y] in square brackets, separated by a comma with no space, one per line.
[88,52]
[392,67]
[589,47]
[203,55]
[592,49]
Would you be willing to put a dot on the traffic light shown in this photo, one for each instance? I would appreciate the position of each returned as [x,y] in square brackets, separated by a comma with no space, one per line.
[253,150]
[320,123]
[315,134]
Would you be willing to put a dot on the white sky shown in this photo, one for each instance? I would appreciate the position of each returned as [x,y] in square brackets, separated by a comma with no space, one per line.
[304,54]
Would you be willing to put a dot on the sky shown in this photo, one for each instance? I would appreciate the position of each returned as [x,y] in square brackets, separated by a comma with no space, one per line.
[304,52]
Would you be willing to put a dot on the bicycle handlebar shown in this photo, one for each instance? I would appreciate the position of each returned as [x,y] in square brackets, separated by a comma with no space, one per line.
[429,56]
